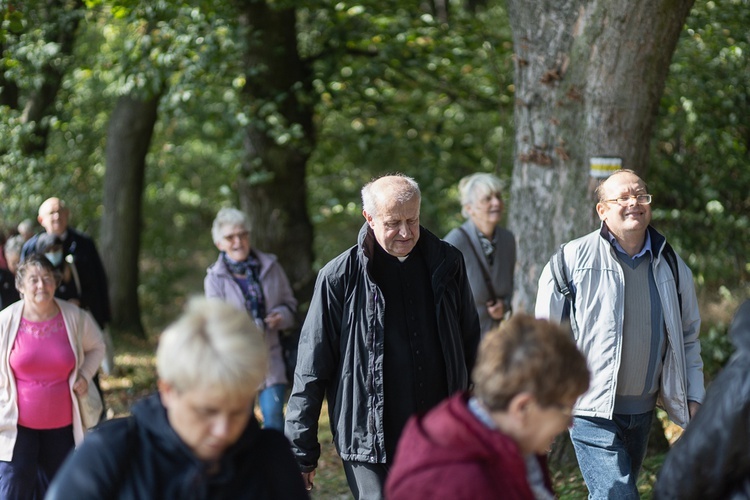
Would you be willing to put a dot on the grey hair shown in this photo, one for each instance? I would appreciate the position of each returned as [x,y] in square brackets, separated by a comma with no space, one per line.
[229,217]
[14,245]
[212,345]
[40,262]
[25,226]
[474,186]
[400,188]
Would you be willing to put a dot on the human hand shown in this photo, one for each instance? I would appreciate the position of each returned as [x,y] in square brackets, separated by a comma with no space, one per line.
[496,309]
[80,386]
[307,478]
[273,320]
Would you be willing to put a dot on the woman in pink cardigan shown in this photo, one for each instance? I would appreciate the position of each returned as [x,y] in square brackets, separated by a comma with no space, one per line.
[49,351]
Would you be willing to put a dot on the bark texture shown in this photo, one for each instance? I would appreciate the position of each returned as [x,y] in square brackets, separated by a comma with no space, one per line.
[128,139]
[278,141]
[588,79]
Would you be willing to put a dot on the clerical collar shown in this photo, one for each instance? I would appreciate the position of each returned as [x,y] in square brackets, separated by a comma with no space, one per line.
[382,252]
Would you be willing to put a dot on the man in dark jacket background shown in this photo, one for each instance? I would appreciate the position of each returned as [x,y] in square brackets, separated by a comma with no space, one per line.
[391,331]
[712,459]
[93,290]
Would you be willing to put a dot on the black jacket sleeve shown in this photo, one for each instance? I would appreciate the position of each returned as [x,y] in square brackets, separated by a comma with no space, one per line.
[95,469]
[711,459]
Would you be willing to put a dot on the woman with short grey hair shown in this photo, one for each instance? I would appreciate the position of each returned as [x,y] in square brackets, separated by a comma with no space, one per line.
[489,249]
[255,282]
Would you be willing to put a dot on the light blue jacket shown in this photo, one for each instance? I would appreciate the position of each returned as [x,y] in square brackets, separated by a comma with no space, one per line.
[597,278]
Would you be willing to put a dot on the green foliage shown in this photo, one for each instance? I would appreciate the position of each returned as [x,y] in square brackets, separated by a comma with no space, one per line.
[700,175]
[405,93]
[395,90]
[716,349]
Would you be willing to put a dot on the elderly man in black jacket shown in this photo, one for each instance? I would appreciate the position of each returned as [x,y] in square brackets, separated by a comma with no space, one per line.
[712,458]
[93,291]
[391,331]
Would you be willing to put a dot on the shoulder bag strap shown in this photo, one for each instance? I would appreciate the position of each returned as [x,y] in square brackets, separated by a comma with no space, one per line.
[487,279]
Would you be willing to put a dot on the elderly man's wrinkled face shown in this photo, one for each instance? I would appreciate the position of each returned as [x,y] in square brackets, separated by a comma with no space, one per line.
[208,421]
[53,216]
[235,242]
[396,226]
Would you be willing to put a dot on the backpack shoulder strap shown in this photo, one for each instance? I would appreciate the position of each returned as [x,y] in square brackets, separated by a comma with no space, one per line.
[562,285]
[671,258]
[560,274]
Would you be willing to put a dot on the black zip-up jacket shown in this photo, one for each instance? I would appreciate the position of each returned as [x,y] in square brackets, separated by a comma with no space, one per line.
[341,349]
[142,457]
[94,291]
[712,458]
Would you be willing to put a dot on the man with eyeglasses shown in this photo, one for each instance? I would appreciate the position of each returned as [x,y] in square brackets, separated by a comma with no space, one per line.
[638,331]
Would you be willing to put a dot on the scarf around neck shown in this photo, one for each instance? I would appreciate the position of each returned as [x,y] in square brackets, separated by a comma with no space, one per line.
[247,275]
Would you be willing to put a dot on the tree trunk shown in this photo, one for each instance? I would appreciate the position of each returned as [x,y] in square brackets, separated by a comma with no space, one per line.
[8,88]
[588,80]
[128,139]
[278,142]
[65,19]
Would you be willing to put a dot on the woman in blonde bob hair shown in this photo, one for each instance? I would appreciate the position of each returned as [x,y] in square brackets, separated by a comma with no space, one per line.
[198,437]
[211,347]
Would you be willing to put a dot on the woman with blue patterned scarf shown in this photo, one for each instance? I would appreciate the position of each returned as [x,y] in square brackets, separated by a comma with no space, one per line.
[255,282]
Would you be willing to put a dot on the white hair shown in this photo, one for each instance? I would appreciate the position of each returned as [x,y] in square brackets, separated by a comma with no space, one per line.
[474,186]
[397,187]
[212,345]
[229,217]
[14,245]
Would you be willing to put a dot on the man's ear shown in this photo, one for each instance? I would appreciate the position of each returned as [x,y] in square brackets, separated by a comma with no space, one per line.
[601,210]
[368,218]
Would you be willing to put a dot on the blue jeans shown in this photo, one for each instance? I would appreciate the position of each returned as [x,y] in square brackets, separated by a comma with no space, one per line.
[271,401]
[610,453]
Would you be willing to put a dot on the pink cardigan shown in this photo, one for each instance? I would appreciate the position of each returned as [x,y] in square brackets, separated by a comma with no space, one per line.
[87,344]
